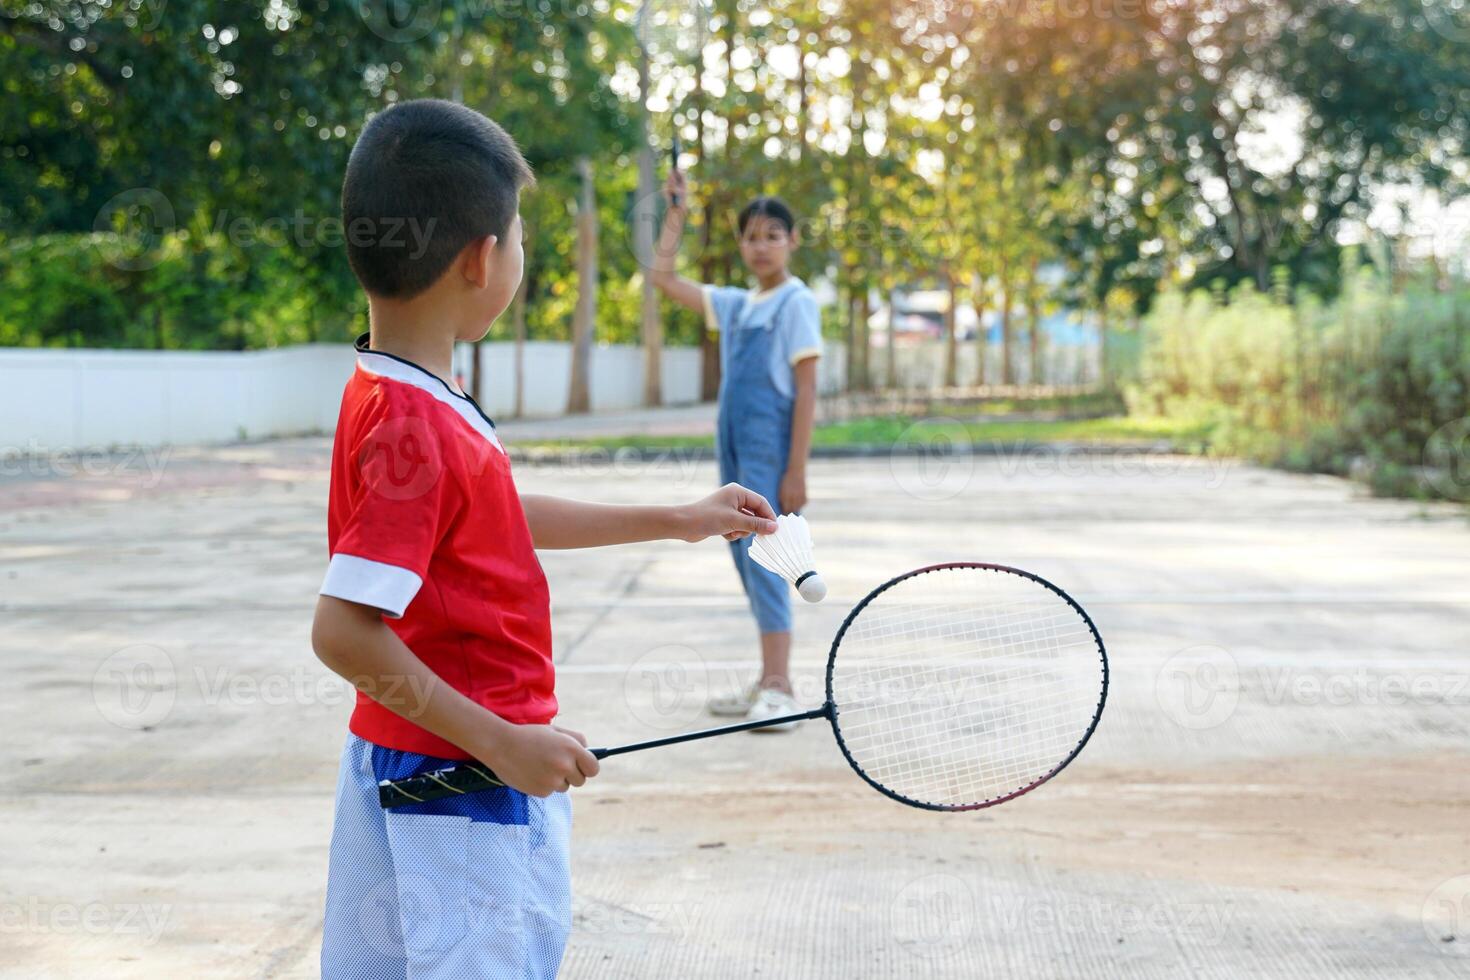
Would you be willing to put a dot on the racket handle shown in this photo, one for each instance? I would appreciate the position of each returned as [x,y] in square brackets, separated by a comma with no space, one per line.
[674,151]
[458,780]
[474,777]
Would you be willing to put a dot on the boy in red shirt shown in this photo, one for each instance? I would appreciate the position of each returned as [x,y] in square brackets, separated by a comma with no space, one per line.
[434,603]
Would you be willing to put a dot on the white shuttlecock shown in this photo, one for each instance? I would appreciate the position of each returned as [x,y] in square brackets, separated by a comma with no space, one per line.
[788,553]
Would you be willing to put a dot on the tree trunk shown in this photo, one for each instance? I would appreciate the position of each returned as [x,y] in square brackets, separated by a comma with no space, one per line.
[891,372]
[865,311]
[951,323]
[1007,372]
[644,218]
[1033,325]
[519,317]
[982,335]
[584,319]
[709,343]
[852,328]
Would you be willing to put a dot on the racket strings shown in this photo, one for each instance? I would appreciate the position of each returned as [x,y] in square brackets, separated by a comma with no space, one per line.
[962,686]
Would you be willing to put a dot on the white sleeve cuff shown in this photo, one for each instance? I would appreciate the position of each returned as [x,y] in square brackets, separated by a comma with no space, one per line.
[711,322]
[371,583]
[805,353]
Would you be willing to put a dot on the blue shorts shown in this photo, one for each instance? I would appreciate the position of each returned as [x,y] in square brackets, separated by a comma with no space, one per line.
[476,886]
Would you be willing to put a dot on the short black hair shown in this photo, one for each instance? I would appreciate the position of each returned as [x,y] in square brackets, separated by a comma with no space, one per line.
[426,178]
[768,207]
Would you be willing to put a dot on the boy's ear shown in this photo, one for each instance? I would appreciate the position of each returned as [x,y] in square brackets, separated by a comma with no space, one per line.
[475,260]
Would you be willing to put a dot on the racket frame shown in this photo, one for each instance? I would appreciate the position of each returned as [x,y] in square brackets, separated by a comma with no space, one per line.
[836,712]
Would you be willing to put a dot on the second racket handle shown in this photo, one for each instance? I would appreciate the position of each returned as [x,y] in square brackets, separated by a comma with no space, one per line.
[441,784]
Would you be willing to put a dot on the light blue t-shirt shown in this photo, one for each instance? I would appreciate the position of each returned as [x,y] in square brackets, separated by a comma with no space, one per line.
[798,329]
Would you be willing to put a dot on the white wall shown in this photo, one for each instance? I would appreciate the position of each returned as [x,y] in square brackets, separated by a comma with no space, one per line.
[70,399]
[616,383]
[82,399]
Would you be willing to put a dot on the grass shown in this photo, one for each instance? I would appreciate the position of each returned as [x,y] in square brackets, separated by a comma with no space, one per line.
[885,431]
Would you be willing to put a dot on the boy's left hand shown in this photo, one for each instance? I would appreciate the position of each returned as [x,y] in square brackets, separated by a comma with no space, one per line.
[793,490]
[732,512]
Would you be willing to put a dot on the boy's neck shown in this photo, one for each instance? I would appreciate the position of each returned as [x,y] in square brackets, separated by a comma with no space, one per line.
[415,332]
[771,282]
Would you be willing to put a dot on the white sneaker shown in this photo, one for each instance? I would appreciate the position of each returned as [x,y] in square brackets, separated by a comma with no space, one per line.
[734,705]
[774,704]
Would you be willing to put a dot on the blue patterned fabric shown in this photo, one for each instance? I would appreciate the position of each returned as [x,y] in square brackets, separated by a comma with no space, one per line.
[478,887]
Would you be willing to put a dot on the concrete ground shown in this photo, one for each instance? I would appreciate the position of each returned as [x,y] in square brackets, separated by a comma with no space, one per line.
[1278,788]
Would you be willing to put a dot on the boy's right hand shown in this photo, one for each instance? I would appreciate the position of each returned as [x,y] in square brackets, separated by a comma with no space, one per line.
[540,760]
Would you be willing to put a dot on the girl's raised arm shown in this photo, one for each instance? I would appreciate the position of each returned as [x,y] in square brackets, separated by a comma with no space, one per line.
[685,292]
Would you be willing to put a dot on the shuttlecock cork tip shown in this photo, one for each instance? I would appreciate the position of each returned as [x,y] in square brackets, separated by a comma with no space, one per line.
[811,587]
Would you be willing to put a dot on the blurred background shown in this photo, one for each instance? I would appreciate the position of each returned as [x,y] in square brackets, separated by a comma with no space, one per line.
[1115,291]
[1237,225]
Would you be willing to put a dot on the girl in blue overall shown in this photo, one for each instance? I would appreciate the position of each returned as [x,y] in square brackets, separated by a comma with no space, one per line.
[770,340]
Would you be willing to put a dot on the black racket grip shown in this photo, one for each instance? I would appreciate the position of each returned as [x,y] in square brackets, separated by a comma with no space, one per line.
[675,149]
[465,778]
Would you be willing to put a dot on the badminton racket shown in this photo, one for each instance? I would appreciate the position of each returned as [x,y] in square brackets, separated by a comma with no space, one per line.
[953,687]
[672,33]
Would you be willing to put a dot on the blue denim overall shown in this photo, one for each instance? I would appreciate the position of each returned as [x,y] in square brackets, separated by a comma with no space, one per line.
[753,439]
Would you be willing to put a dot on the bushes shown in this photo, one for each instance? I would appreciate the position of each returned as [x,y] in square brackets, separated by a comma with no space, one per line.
[1375,382]
[188,291]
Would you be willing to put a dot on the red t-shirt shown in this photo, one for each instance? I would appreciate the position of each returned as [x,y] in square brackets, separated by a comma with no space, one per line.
[424,523]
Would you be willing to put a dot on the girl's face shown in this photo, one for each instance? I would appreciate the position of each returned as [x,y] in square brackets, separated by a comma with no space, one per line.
[766,245]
